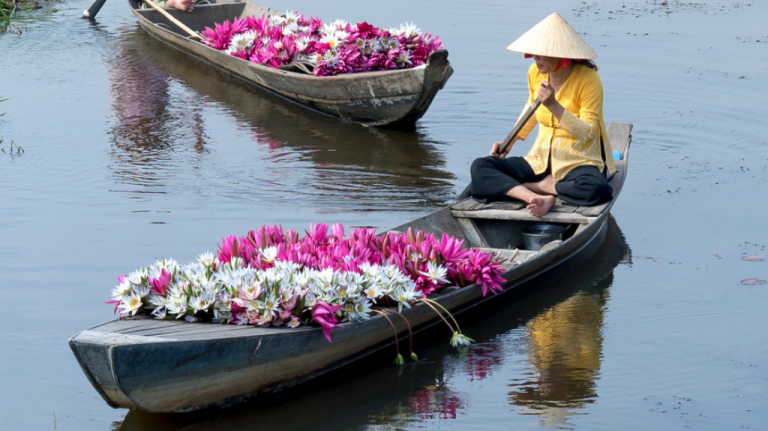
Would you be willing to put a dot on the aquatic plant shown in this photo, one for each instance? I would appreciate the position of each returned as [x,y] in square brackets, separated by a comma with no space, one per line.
[272,277]
[321,49]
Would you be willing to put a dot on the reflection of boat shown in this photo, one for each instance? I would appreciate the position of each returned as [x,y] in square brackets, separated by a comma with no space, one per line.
[396,97]
[166,366]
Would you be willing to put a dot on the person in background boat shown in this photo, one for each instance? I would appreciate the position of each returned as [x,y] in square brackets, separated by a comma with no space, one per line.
[184,5]
[571,157]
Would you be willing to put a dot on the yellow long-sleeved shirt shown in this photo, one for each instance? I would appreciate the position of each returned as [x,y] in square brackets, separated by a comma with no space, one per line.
[575,140]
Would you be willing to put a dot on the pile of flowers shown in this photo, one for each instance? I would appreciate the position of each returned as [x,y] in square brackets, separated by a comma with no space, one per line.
[318,48]
[273,277]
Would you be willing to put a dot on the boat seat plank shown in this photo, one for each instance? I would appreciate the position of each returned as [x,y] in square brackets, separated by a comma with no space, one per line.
[510,205]
[494,214]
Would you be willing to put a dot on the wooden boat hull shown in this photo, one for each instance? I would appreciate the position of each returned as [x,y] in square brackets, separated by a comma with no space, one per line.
[397,97]
[171,366]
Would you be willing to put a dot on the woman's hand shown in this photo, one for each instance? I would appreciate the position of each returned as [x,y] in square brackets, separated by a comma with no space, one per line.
[185,5]
[547,97]
[497,147]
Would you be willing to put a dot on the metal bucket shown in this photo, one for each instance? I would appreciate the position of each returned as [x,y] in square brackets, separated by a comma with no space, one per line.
[539,234]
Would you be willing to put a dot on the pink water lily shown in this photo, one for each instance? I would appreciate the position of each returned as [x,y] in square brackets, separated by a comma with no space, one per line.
[324,315]
[324,50]
[160,284]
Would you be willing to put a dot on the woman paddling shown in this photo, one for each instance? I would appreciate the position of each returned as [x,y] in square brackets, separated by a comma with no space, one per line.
[571,157]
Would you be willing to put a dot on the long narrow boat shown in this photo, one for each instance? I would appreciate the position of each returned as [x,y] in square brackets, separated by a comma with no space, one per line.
[394,97]
[172,366]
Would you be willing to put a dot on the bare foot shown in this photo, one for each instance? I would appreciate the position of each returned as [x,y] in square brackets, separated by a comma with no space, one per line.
[538,206]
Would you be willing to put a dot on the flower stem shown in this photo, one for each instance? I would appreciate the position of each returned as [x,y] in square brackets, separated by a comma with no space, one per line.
[410,332]
[397,346]
[438,313]
[446,312]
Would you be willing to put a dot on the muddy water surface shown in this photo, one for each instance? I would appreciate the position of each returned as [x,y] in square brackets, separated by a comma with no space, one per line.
[135,151]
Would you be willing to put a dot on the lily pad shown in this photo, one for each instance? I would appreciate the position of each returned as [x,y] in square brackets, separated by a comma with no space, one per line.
[753,258]
[753,281]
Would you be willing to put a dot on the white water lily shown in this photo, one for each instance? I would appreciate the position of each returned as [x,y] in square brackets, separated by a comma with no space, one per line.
[269,254]
[409,30]
[376,45]
[390,43]
[206,259]
[131,304]
[405,294]
[334,40]
[177,306]
[372,291]
[339,24]
[160,313]
[269,305]
[157,300]
[292,17]
[459,339]
[142,291]
[276,20]
[436,272]
[363,309]
[239,42]
[137,277]
[291,29]
[192,319]
[201,302]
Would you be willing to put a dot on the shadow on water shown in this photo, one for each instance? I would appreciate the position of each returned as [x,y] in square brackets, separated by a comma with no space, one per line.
[165,104]
[553,325]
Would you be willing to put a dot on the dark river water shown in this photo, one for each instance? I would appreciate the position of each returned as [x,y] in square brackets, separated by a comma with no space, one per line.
[135,151]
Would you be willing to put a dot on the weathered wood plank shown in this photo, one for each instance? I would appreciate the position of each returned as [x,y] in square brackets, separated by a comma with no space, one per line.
[100,337]
[592,211]
[523,215]
[465,205]
[472,233]
[562,207]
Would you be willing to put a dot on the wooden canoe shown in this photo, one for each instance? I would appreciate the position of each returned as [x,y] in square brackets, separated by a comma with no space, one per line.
[394,97]
[172,366]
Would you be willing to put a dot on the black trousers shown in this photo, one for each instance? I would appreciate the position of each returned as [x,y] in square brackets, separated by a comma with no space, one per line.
[493,177]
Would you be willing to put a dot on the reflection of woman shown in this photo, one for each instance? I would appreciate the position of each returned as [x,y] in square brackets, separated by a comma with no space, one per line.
[568,158]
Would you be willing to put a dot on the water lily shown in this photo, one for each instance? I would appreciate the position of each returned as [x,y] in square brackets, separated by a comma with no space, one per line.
[324,315]
[459,339]
[436,272]
[131,304]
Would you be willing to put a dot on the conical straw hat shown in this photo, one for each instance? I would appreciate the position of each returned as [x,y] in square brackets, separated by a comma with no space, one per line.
[553,37]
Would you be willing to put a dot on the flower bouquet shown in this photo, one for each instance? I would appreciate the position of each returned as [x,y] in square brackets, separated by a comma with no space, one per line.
[318,48]
[271,277]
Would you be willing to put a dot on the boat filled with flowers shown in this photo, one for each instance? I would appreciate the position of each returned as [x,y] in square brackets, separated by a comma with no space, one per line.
[273,308]
[357,72]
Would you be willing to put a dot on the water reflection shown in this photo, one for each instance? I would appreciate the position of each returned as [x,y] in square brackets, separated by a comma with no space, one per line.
[148,126]
[565,344]
[566,347]
[165,101]
[555,331]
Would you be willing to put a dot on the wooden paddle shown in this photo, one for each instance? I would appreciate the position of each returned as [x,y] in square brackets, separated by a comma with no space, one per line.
[95,7]
[173,20]
[508,140]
